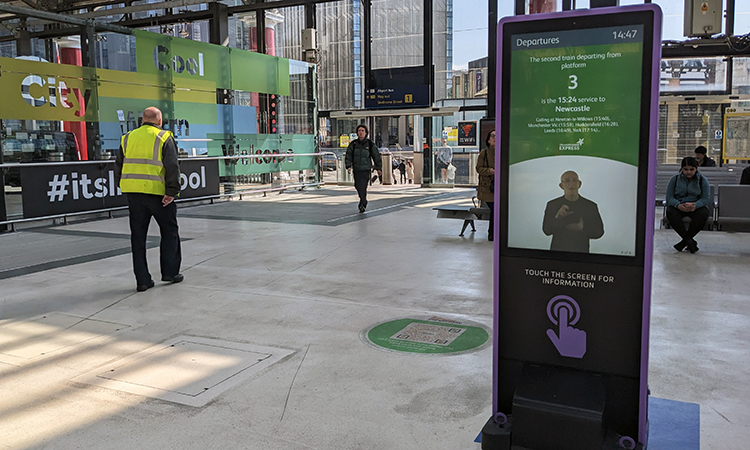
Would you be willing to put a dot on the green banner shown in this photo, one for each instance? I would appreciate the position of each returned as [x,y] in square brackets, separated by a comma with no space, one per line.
[580,101]
[177,61]
[256,72]
[274,152]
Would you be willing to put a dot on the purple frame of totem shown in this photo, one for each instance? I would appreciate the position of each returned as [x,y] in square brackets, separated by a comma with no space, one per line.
[650,193]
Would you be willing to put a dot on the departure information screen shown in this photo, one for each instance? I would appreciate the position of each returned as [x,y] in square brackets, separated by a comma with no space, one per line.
[574,140]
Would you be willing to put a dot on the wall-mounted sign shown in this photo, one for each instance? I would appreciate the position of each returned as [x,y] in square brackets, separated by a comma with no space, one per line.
[398,97]
[397,87]
[736,136]
[467,134]
[451,135]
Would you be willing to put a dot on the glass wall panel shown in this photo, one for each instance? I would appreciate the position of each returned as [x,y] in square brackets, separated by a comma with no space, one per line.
[339,55]
[694,75]
[287,24]
[741,18]
[243,36]
[504,8]
[216,101]
[741,76]
[469,41]
[397,39]
[686,125]
[442,46]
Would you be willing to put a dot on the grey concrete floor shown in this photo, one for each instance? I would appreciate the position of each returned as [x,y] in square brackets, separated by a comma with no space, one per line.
[300,276]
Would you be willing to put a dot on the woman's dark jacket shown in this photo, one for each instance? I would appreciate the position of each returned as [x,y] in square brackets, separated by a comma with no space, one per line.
[682,189]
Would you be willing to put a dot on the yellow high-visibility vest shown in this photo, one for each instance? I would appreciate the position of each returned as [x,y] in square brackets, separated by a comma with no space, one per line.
[142,168]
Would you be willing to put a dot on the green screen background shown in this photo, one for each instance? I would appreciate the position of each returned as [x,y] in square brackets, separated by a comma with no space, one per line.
[611,78]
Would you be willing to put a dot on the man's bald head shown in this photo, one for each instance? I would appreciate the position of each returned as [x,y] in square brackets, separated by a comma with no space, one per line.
[152,115]
[570,183]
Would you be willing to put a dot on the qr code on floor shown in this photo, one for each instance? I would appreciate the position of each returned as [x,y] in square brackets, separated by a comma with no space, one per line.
[429,334]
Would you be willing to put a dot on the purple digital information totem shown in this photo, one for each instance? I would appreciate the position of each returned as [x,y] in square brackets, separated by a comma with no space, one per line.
[577,94]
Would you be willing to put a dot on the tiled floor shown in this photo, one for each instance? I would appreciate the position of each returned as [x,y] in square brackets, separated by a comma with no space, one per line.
[300,275]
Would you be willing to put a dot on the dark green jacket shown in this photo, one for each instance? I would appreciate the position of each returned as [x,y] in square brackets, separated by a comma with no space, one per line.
[360,155]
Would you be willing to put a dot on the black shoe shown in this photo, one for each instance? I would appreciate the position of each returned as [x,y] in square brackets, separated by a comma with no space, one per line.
[680,246]
[361,208]
[145,287]
[692,246]
[490,238]
[175,279]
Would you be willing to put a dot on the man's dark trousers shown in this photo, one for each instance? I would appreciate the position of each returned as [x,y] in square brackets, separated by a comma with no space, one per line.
[361,179]
[142,207]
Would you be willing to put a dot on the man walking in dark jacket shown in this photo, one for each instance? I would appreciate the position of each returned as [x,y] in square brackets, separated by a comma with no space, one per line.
[361,157]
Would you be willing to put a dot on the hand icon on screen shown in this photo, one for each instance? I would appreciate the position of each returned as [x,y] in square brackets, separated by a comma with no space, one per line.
[571,342]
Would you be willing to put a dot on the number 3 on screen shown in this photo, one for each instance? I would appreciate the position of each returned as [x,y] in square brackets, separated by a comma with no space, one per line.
[573,82]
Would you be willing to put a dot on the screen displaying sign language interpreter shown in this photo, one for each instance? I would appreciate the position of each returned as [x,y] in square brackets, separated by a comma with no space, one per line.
[574,140]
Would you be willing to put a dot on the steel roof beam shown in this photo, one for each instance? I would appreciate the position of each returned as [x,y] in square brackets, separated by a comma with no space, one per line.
[63,18]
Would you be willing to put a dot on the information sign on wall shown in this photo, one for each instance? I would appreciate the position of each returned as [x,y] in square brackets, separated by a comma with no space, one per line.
[736,136]
[397,87]
[467,134]
[398,97]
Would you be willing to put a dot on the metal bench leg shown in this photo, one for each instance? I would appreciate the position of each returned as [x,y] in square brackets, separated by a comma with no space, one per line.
[466,224]
[463,228]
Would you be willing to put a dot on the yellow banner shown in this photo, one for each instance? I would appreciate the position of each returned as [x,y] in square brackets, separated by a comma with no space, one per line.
[33,90]
[119,84]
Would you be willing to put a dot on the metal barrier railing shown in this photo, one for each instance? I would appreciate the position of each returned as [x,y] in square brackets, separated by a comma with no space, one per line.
[191,158]
[237,193]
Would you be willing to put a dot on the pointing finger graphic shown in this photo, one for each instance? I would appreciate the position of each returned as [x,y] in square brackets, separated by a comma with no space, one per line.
[568,341]
[563,322]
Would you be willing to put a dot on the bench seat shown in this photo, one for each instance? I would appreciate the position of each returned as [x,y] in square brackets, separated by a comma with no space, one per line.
[466,213]
[733,210]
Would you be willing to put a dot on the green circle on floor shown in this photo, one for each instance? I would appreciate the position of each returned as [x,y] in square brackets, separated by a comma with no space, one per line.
[427,335]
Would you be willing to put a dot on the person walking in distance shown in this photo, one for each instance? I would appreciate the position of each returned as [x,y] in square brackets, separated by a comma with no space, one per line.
[361,157]
[148,172]
[410,171]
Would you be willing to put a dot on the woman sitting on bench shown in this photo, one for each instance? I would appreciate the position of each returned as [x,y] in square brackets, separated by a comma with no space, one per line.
[688,196]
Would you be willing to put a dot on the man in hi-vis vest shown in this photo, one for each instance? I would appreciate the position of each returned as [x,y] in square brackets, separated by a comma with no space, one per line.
[148,172]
